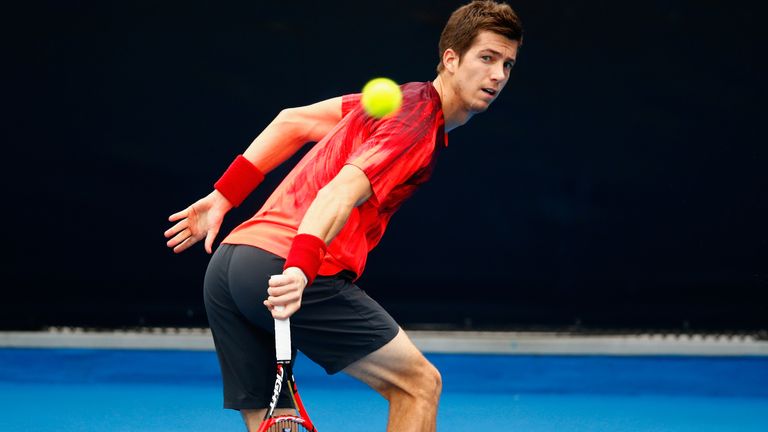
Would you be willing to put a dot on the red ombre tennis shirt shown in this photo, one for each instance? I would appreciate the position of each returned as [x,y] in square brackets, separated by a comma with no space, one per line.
[396,153]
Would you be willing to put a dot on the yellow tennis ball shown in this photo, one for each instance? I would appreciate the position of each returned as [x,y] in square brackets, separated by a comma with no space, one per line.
[381,97]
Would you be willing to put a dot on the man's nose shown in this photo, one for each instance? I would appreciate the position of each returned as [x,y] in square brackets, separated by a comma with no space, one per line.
[498,73]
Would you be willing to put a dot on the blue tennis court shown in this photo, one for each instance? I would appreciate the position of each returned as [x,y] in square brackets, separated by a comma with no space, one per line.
[162,390]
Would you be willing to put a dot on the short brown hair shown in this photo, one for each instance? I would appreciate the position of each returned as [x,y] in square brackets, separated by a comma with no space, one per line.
[467,21]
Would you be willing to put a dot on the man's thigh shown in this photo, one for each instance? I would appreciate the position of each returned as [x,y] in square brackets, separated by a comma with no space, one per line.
[338,324]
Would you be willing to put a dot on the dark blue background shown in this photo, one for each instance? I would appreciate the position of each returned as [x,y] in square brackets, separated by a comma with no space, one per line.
[618,182]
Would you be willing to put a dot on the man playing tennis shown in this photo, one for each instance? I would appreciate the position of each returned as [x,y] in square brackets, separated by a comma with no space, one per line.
[316,229]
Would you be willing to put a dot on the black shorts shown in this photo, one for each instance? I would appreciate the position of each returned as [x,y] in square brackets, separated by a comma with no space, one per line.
[336,325]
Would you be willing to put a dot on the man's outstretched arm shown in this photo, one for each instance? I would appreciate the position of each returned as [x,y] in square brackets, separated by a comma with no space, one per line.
[281,139]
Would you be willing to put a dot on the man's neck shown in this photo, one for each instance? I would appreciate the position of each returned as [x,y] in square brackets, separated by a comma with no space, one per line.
[454,113]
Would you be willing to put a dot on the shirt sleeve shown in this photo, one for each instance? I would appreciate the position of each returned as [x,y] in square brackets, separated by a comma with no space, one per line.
[394,152]
[349,102]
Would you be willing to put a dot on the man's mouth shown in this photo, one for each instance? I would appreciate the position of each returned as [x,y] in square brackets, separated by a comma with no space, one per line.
[490,91]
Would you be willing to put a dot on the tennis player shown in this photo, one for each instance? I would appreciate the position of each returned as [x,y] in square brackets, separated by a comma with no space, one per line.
[315,230]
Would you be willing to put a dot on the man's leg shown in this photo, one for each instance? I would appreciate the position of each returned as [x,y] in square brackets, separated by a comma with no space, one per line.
[235,284]
[411,384]
[253,418]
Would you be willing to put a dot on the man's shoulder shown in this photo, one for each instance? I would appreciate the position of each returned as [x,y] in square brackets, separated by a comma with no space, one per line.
[417,88]
[420,96]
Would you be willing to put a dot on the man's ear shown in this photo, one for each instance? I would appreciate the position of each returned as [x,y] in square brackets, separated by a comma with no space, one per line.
[450,60]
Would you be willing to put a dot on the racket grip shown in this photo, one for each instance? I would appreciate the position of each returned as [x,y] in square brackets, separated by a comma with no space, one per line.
[282,337]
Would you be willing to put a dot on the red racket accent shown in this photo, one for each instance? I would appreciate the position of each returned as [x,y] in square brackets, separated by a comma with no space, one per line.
[286,423]
[300,406]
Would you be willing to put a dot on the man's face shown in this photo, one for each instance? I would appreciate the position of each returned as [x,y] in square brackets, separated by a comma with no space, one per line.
[484,70]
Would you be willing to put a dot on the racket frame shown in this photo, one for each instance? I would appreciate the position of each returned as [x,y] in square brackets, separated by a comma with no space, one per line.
[285,376]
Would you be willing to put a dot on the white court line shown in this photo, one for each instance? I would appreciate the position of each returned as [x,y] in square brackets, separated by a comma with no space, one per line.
[521,343]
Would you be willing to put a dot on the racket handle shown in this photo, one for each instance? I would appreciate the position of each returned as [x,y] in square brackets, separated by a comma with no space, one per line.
[282,337]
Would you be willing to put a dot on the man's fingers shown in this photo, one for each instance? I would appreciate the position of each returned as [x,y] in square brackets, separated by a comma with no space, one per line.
[182,241]
[183,246]
[277,291]
[284,290]
[209,240]
[284,299]
[280,292]
[282,314]
[178,238]
[282,279]
[175,240]
[178,215]
[279,280]
[170,232]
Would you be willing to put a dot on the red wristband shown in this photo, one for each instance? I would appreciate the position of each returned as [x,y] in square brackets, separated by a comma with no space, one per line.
[307,252]
[239,180]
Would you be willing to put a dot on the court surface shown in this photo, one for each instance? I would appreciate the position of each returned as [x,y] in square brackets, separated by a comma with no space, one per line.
[45,389]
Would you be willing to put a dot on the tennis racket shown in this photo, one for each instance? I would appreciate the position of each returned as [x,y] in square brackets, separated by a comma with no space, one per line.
[299,422]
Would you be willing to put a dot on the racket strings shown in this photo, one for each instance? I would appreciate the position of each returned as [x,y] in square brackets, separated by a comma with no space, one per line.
[287,426]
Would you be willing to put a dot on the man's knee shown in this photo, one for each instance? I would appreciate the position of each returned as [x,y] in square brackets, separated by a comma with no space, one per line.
[399,371]
[422,382]
[435,381]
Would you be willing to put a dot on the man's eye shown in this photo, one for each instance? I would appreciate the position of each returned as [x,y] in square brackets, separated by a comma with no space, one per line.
[486,58]
[508,65]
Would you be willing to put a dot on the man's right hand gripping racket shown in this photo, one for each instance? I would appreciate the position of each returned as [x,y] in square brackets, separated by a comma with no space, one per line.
[285,423]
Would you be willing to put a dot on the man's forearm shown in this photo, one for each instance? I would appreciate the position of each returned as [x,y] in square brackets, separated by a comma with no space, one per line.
[327,215]
[333,204]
